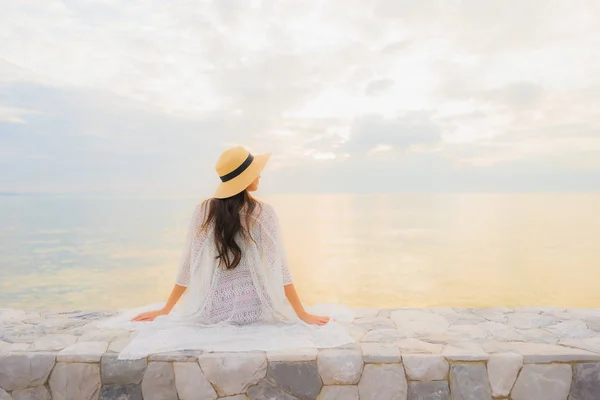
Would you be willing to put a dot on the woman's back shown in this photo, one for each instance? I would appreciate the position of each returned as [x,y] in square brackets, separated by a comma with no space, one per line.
[238,295]
[235,275]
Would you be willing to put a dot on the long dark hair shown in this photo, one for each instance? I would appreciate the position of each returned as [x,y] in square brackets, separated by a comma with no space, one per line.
[228,223]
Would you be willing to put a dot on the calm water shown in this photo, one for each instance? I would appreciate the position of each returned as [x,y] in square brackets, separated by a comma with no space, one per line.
[383,251]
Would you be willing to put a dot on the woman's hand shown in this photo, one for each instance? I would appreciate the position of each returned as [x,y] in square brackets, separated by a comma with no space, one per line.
[149,315]
[314,319]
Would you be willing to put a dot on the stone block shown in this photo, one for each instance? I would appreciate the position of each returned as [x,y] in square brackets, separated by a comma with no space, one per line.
[469,382]
[340,367]
[380,353]
[121,392]
[425,367]
[383,382]
[79,381]
[34,393]
[53,342]
[158,382]
[339,393]
[83,352]
[415,323]
[434,390]
[383,335]
[176,356]
[191,383]
[233,373]
[586,382]
[502,372]
[122,372]
[301,380]
[543,382]
[292,355]
[22,370]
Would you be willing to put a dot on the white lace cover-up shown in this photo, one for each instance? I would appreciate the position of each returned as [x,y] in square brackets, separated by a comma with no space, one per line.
[242,309]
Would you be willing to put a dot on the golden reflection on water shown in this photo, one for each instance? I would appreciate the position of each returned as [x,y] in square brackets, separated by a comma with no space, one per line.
[464,250]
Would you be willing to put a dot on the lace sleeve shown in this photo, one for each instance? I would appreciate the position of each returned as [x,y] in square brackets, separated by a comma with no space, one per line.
[272,243]
[193,242]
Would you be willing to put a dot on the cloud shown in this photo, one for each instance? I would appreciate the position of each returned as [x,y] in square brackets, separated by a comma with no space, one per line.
[144,95]
[371,132]
[378,85]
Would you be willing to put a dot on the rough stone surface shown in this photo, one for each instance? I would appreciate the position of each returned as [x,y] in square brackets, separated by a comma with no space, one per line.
[301,380]
[75,381]
[339,393]
[19,371]
[472,332]
[437,390]
[525,320]
[420,341]
[267,390]
[502,372]
[34,393]
[292,355]
[122,372]
[416,346]
[574,329]
[465,352]
[374,323]
[586,382]
[380,353]
[233,373]
[543,382]
[469,382]
[176,356]
[118,345]
[106,335]
[159,382]
[538,336]
[383,335]
[191,383]
[4,395]
[83,352]
[426,367]
[543,353]
[394,387]
[16,348]
[591,344]
[53,342]
[415,323]
[121,392]
[340,367]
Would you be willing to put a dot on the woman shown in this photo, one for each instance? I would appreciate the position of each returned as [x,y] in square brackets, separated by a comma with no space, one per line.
[238,289]
[234,225]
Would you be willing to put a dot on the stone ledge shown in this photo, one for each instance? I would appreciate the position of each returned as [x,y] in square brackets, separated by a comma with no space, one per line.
[517,354]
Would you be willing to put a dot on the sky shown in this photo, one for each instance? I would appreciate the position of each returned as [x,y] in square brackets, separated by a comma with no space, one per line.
[141,97]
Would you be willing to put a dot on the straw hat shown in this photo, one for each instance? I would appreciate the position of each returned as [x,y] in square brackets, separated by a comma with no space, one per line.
[237,169]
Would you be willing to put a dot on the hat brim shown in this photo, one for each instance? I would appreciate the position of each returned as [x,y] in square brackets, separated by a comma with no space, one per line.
[243,180]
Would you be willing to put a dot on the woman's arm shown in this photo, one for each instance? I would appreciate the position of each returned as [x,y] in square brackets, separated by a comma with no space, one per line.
[292,296]
[176,294]
[173,298]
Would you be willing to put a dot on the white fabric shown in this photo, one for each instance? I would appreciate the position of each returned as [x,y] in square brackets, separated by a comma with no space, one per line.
[243,309]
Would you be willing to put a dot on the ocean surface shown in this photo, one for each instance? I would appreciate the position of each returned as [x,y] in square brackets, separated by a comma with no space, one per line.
[421,250]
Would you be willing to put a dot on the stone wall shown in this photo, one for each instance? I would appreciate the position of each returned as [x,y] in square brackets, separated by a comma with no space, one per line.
[400,354]
[356,372]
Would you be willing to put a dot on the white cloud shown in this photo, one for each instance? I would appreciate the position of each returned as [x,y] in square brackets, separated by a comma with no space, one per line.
[472,84]
[9,114]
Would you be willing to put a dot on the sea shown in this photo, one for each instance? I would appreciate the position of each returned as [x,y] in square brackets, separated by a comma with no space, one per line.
[385,251]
